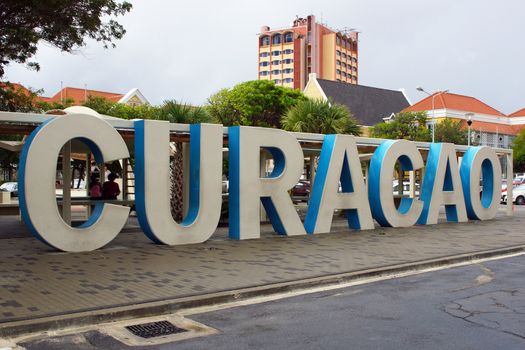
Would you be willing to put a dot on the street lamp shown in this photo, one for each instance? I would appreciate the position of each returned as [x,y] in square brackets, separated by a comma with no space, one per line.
[469,116]
[419,88]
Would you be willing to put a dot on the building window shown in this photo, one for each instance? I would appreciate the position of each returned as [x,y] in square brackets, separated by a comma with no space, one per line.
[277,81]
[287,70]
[338,41]
[288,37]
[287,80]
[288,61]
[276,53]
[338,63]
[265,40]
[338,53]
[276,71]
[264,54]
[288,51]
[344,65]
[276,39]
[264,73]
[338,71]
[344,56]
[264,64]
[276,62]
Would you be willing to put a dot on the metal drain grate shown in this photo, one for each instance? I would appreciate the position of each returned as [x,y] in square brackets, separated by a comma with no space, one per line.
[155,329]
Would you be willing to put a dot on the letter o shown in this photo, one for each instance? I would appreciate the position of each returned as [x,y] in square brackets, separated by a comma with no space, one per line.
[481,162]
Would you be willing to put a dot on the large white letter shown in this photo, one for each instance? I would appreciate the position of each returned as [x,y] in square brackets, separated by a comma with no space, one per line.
[37,173]
[339,161]
[247,187]
[152,181]
[479,161]
[380,179]
[442,186]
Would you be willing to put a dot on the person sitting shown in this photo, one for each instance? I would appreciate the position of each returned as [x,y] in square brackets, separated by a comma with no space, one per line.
[95,187]
[110,189]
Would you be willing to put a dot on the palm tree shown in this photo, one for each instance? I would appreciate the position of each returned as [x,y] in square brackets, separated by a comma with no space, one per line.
[183,113]
[322,117]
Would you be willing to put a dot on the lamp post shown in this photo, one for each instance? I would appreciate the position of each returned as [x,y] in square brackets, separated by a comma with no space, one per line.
[419,88]
[469,123]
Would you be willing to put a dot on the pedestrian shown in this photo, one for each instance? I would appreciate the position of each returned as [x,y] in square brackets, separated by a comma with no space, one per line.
[110,189]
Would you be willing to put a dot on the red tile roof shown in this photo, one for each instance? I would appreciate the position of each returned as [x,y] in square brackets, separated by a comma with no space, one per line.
[520,113]
[453,101]
[494,127]
[80,95]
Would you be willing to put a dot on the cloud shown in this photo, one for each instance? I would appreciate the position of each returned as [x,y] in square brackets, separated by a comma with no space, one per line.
[189,50]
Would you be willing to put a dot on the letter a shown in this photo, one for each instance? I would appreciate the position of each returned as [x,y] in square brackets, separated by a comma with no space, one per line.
[442,186]
[339,161]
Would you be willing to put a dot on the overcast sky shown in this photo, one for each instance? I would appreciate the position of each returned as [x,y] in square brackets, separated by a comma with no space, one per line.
[187,50]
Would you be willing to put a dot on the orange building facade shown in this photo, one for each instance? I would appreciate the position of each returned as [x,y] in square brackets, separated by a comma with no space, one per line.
[288,55]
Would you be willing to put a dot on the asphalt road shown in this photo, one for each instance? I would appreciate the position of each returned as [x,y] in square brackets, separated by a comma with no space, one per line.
[480,306]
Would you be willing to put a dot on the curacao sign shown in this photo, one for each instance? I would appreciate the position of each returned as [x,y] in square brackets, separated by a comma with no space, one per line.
[445,183]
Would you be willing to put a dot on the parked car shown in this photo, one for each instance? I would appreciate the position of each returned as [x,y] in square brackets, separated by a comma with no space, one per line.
[10,187]
[518,195]
[517,181]
[302,189]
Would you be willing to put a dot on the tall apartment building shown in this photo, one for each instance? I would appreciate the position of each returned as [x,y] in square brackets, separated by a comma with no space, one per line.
[288,55]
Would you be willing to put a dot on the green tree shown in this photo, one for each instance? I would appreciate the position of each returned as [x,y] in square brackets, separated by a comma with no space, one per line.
[222,109]
[44,106]
[175,112]
[64,24]
[253,103]
[450,131]
[119,110]
[519,152]
[100,104]
[322,117]
[14,98]
[405,125]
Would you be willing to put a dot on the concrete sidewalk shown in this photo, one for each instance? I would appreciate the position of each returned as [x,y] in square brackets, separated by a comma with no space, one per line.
[37,283]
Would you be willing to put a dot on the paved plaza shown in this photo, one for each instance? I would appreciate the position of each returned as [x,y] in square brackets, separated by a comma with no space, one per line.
[37,281]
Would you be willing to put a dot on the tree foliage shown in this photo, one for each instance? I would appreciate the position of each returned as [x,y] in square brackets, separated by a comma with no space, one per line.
[321,117]
[64,24]
[405,125]
[451,131]
[119,110]
[183,113]
[519,151]
[14,98]
[253,103]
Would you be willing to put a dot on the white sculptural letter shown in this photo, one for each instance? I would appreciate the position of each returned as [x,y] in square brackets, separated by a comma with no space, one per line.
[339,162]
[37,174]
[380,192]
[152,181]
[248,188]
[442,186]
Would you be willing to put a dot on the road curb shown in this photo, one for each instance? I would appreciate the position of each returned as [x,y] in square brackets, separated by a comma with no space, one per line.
[167,306]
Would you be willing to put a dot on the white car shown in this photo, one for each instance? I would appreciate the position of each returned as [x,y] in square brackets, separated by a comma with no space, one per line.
[518,195]
[10,187]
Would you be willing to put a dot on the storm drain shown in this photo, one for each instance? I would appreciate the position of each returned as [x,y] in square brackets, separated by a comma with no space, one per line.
[155,329]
